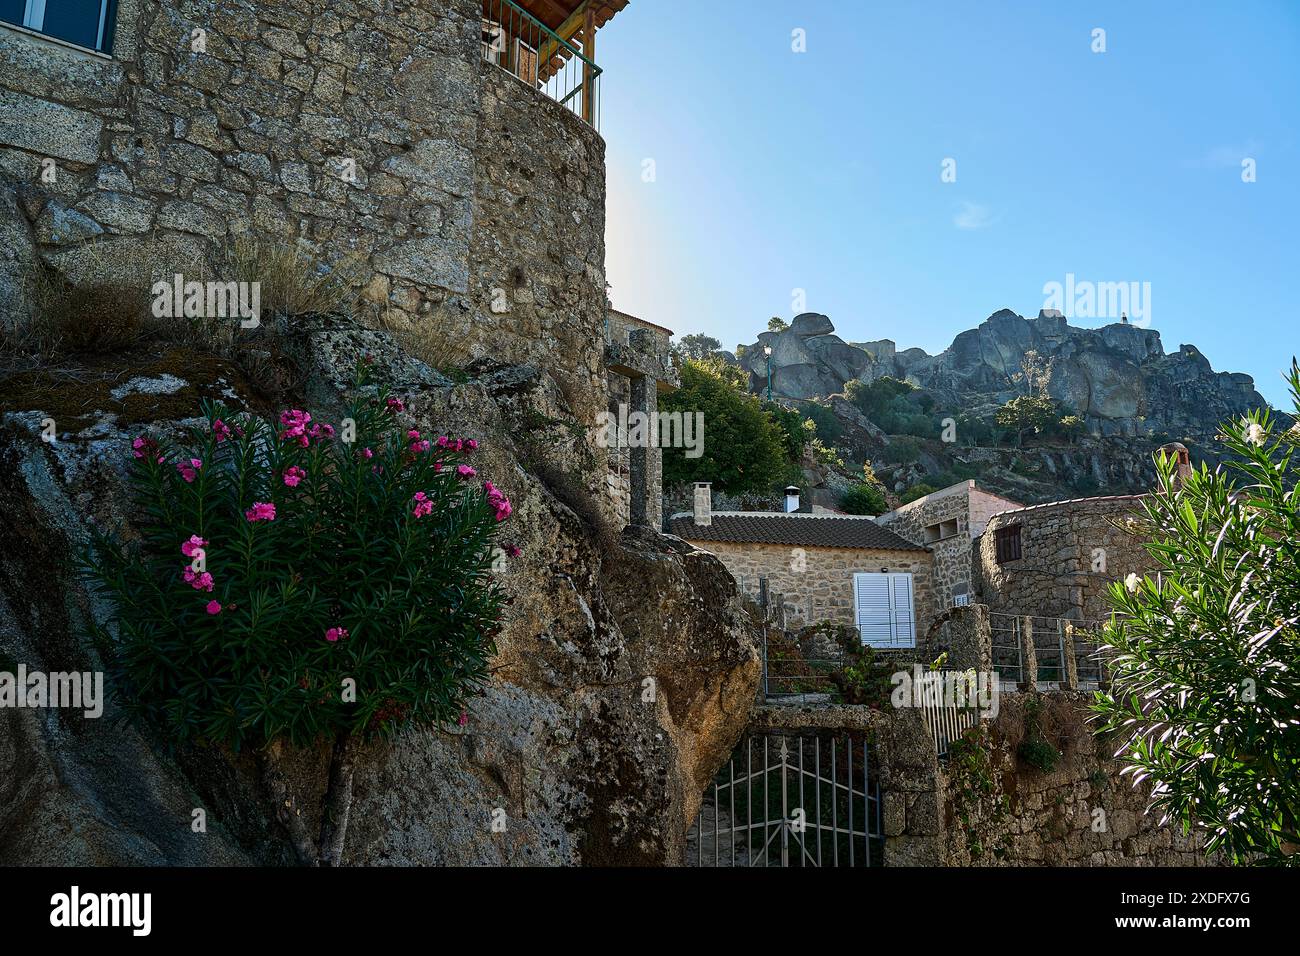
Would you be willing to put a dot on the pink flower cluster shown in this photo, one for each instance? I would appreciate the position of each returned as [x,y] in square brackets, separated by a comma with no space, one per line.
[295,422]
[418,444]
[464,445]
[395,405]
[293,475]
[189,470]
[222,431]
[199,582]
[423,505]
[497,500]
[336,634]
[193,548]
[465,472]
[143,447]
[261,511]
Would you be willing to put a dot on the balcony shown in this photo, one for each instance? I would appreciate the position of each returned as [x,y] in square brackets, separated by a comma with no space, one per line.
[551,46]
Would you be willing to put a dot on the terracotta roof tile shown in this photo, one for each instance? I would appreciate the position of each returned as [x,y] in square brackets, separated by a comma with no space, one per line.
[815,531]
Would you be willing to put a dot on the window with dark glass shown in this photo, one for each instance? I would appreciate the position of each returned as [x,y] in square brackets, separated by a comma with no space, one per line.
[1007,542]
[87,23]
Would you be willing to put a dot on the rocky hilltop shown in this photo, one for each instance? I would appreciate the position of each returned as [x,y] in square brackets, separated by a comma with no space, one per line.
[1118,377]
[1130,393]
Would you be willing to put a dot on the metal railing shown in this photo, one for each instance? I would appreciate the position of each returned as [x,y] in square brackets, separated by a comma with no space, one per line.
[1059,645]
[1008,652]
[517,42]
[787,672]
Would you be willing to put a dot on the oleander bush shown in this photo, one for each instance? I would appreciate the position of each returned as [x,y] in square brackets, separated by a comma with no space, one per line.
[1205,694]
[294,580]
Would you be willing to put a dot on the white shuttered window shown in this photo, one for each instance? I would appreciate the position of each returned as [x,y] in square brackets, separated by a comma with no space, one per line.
[884,609]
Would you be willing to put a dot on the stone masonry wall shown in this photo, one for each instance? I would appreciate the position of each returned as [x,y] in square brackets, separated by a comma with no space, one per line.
[367,131]
[1055,575]
[826,580]
[1000,811]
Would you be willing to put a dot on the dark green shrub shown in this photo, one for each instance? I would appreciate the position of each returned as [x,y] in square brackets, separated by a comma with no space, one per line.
[864,498]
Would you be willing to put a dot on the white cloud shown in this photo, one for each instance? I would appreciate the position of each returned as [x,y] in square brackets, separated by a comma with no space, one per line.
[972,215]
[1221,157]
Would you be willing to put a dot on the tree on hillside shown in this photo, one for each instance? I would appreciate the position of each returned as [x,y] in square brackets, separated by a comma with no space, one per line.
[1205,690]
[1036,372]
[1027,413]
[698,346]
[867,497]
[744,448]
[776,324]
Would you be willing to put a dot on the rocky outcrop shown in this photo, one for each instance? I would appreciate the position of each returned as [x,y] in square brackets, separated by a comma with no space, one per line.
[625,668]
[1118,377]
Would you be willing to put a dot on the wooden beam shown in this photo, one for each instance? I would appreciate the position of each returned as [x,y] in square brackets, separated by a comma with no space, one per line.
[566,30]
[588,74]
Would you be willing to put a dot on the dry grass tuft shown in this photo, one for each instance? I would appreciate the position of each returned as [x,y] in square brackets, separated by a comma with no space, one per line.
[434,342]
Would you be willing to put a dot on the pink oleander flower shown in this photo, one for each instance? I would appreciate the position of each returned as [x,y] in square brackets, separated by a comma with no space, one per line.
[443,441]
[322,429]
[221,430]
[513,550]
[423,505]
[463,719]
[143,447]
[214,607]
[336,634]
[199,582]
[189,470]
[293,475]
[465,472]
[421,445]
[471,444]
[191,547]
[497,501]
[261,511]
[437,466]
[367,453]
[295,423]
[395,405]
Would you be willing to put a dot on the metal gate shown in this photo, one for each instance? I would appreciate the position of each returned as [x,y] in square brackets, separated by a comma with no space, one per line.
[793,799]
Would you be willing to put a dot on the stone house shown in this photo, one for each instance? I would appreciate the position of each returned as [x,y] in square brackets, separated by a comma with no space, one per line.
[842,568]
[442,155]
[947,521]
[1058,560]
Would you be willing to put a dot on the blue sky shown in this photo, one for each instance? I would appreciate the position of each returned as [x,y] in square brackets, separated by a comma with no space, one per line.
[775,170]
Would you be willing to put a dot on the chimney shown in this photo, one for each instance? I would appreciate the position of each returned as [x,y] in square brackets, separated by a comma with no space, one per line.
[703,504]
[791,499]
[1178,452]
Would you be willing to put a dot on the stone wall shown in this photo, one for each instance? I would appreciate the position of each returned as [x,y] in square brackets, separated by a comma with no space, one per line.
[1000,811]
[1060,542]
[823,587]
[367,131]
